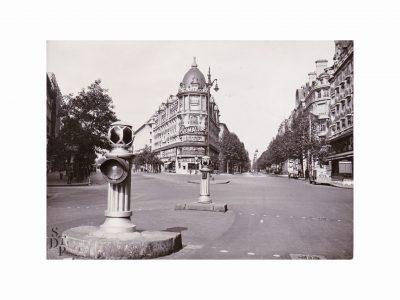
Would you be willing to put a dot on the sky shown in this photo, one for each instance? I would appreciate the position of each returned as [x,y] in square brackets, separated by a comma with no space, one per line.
[257,79]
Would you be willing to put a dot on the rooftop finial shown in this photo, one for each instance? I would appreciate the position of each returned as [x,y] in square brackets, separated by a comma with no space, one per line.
[194,64]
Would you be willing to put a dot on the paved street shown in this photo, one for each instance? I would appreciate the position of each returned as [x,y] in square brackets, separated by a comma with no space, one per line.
[268,217]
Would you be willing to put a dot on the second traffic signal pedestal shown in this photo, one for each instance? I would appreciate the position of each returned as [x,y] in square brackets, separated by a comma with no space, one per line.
[204,201]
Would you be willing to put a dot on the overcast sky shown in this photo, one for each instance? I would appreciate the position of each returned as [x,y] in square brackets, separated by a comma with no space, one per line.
[257,79]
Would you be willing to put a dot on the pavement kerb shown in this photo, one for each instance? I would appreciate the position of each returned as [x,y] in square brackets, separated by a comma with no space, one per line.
[341,186]
[331,183]
[211,181]
[72,184]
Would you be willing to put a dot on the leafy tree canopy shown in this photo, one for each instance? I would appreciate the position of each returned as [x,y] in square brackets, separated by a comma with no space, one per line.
[85,120]
[233,151]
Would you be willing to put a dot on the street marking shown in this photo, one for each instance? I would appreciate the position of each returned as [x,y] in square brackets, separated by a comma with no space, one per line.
[303,217]
[339,220]
[261,221]
[223,251]
[276,255]
[278,216]
[250,253]
[69,207]
[194,247]
[291,217]
[306,256]
[77,207]
[265,215]
[252,214]
[87,206]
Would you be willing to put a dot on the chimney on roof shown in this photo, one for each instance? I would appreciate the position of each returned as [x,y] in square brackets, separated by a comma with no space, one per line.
[320,66]
[311,78]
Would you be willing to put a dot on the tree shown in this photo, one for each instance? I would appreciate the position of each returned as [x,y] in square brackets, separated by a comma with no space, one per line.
[146,157]
[85,120]
[234,153]
[298,141]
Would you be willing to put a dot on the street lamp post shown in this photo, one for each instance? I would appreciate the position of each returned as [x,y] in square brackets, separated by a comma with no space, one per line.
[206,161]
[209,84]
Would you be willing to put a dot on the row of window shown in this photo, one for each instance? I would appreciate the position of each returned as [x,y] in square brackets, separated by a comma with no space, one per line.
[342,106]
[342,124]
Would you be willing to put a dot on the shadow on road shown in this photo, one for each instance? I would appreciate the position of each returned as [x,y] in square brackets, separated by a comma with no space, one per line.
[176,229]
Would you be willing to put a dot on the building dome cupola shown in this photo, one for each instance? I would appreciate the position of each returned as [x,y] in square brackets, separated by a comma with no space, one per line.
[193,78]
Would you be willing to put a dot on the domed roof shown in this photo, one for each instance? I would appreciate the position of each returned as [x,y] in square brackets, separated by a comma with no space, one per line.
[194,76]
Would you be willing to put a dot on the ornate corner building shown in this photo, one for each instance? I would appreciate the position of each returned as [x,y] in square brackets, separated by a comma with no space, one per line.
[340,134]
[179,126]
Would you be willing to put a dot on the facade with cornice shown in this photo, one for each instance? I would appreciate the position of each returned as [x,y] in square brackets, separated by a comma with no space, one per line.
[340,135]
[317,97]
[180,125]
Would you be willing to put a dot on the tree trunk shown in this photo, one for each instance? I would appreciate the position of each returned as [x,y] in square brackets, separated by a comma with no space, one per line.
[301,164]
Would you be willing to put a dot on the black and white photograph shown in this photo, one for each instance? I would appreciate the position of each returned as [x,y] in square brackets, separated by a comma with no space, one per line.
[221,150]
[199,150]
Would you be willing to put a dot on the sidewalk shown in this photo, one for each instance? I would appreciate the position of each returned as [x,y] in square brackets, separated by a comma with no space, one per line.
[53,179]
[343,184]
[346,184]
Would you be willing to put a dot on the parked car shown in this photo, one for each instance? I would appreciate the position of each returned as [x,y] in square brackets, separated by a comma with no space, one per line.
[320,174]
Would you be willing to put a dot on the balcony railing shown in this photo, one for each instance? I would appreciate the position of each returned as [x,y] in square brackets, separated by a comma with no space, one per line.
[347,92]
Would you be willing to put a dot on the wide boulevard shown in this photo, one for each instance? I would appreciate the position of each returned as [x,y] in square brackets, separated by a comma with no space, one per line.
[268,217]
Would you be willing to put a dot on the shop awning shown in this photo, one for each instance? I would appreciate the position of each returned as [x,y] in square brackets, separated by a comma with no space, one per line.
[347,154]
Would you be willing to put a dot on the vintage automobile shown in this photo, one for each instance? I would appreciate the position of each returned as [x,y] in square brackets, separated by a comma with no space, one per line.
[320,173]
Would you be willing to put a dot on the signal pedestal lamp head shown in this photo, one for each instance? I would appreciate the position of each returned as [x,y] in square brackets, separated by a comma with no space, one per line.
[116,169]
[205,180]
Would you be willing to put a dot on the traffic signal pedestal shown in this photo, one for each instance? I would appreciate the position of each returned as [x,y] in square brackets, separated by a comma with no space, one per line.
[117,238]
[204,202]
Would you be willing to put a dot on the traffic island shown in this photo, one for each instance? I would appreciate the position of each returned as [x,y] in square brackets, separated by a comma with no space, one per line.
[117,237]
[204,202]
[215,207]
[211,181]
[92,242]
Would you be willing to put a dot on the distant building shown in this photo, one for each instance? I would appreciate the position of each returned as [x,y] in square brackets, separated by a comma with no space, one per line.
[317,97]
[144,136]
[53,104]
[340,135]
[313,99]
